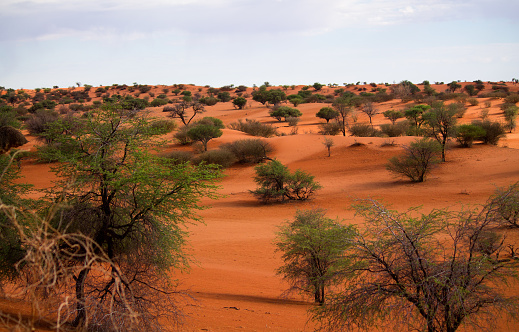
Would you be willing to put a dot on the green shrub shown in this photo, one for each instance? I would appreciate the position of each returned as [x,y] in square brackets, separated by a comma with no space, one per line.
[181,135]
[513,98]
[394,130]
[180,157]
[159,102]
[162,126]
[417,161]
[331,128]
[209,101]
[364,130]
[276,183]
[221,157]
[327,113]
[239,102]
[250,150]
[224,96]
[254,127]
[467,133]
[473,101]
[494,131]
[279,112]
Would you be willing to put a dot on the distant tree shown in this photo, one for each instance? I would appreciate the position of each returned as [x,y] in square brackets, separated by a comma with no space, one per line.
[261,95]
[205,130]
[370,110]
[344,107]
[415,114]
[441,124]
[454,85]
[423,272]
[313,249]
[317,86]
[393,115]
[276,183]
[494,131]
[275,97]
[180,111]
[417,161]
[327,113]
[328,143]
[471,90]
[224,96]
[510,117]
[239,102]
[284,112]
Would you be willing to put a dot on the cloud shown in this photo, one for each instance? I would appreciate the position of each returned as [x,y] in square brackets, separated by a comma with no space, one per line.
[47,19]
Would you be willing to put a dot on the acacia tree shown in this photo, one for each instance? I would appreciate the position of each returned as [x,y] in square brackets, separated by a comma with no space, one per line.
[180,111]
[417,161]
[343,106]
[133,205]
[441,123]
[370,110]
[327,113]
[205,130]
[313,247]
[276,183]
[431,272]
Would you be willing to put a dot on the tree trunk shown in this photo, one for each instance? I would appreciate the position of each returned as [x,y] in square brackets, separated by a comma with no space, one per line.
[80,298]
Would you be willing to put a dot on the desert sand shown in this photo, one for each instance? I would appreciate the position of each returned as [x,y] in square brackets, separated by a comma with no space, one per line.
[233,282]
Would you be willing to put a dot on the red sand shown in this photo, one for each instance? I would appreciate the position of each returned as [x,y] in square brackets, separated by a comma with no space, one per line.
[234,280]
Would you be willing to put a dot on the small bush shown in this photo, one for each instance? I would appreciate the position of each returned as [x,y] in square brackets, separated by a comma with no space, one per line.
[332,128]
[251,150]
[180,157]
[222,157]
[181,135]
[276,183]
[254,128]
[209,101]
[494,131]
[467,133]
[163,126]
[292,121]
[394,130]
[279,112]
[364,130]
[417,161]
[473,101]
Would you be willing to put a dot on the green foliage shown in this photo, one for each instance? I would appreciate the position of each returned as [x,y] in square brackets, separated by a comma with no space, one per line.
[8,117]
[254,128]
[332,128]
[11,193]
[134,205]
[250,150]
[441,124]
[162,126]
[393,115]
[467,133]
[159,102]
[276,183]
[418,271]
[205,130]
[394,130]
[224,96]
[453,86]
[364,130]
[313,249]
[494,131]
[327,113]
[264,96]
[317,86]
[414,114]
[504,204]
[179,157]
[209,101]
[285,112]
[220,157]
[239,102]
[417,161]
[510,117]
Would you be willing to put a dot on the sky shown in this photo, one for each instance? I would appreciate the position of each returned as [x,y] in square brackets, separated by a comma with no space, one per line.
[44,43]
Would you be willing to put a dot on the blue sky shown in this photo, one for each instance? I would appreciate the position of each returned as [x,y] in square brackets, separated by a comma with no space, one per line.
[219,42]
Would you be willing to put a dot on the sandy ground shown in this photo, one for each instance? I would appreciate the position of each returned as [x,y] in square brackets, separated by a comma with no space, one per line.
[234,284]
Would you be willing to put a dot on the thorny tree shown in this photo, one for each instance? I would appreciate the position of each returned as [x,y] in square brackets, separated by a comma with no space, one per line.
[430,272]
[313,247]
[180,110]
[133,205]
